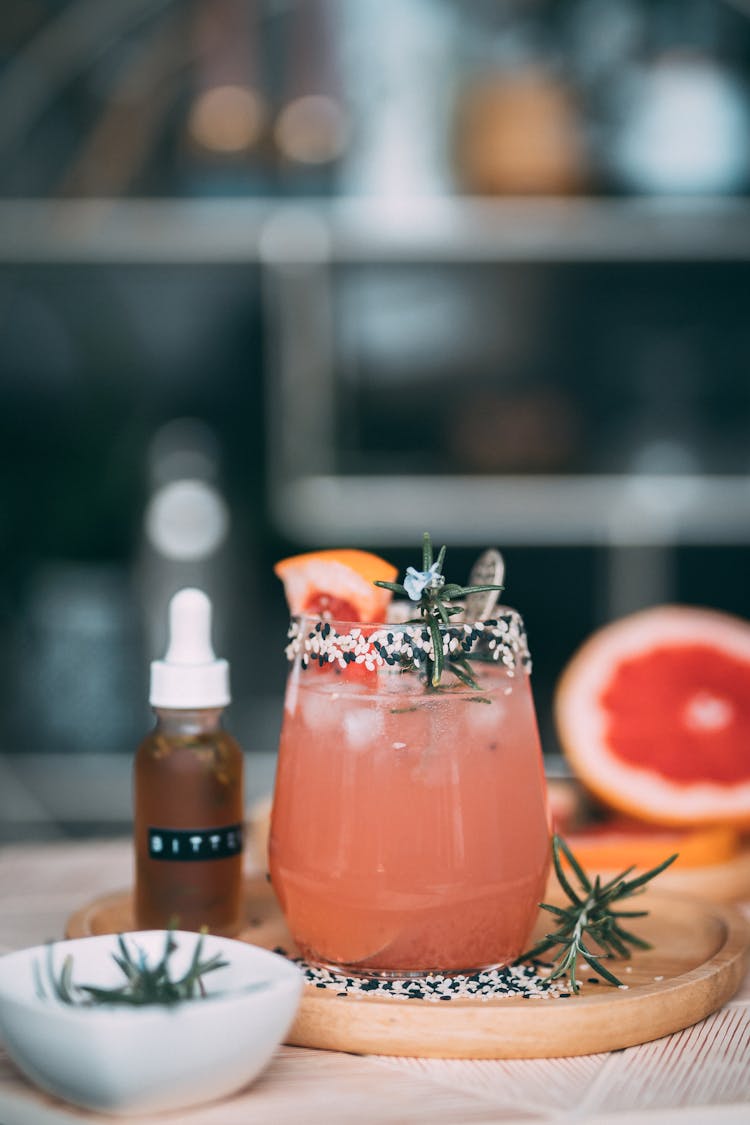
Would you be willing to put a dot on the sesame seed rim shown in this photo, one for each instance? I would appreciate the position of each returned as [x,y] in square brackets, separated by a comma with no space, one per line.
[408,646]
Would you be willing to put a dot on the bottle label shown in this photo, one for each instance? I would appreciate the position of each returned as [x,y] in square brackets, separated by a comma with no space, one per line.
[184,845]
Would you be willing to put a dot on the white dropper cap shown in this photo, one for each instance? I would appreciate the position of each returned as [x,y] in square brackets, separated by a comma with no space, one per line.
[189,677]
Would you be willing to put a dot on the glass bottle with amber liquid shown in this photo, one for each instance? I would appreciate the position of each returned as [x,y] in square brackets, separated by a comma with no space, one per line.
[188,786]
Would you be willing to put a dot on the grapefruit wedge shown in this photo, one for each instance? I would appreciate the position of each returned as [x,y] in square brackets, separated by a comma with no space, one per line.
[653,714]
[337,583]
[621,842]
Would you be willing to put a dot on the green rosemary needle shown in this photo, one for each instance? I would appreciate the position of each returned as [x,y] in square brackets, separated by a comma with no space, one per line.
[433,597]
[143,984]
[591,916]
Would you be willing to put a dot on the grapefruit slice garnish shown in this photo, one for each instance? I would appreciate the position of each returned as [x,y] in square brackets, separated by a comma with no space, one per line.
[653,714]
[337,584]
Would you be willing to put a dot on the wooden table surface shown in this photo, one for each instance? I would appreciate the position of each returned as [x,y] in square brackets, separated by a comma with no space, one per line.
[700,1075]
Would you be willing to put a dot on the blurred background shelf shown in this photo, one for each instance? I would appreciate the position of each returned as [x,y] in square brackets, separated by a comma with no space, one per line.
[597,510]
[443,230]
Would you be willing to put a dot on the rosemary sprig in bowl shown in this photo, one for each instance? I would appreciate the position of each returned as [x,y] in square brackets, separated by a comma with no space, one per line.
[591,918]
[143,984]
[434,597]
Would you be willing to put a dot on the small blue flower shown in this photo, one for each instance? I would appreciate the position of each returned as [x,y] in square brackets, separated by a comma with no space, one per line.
[417,581]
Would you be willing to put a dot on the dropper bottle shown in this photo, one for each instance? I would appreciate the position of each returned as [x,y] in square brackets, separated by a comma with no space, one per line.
[188,786]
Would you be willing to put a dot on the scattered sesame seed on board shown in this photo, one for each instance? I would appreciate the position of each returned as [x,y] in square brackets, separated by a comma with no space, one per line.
[519,982]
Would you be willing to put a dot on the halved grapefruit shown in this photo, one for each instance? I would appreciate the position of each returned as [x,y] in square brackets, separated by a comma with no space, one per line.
[653,714]
[337,583]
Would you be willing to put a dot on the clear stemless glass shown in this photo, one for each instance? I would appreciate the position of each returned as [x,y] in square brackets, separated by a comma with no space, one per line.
[410,831]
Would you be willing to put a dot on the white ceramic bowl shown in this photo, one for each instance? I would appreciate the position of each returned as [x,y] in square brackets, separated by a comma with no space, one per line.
[124,1060]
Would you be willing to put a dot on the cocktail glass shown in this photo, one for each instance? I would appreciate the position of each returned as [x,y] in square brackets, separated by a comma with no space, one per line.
[410,831]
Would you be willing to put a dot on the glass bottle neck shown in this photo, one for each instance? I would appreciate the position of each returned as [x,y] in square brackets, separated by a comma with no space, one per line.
[199,721]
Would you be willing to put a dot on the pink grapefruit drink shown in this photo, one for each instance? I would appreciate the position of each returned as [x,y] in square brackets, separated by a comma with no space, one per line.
[410,830]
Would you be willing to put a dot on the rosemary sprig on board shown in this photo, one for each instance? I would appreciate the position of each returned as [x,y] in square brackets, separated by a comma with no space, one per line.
[432,594]
[143,984]
[591,916]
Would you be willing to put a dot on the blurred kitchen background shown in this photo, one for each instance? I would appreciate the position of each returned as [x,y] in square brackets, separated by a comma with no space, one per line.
[277,275]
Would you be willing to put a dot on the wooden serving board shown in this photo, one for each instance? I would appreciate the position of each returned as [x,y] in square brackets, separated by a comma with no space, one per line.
[698,960]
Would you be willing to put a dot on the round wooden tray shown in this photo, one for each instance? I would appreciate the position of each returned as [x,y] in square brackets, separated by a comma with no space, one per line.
[697,963]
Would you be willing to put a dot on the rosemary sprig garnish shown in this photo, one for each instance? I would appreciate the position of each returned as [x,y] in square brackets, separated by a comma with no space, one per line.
[143,984]
[591,916]
[433,597]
